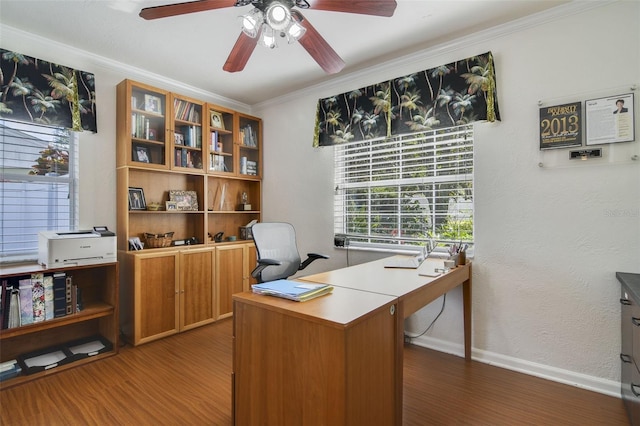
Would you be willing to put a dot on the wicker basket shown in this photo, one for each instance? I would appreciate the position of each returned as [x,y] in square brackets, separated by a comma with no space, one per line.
[158,240]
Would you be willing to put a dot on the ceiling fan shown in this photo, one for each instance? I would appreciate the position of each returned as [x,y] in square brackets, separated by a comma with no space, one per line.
[272,18]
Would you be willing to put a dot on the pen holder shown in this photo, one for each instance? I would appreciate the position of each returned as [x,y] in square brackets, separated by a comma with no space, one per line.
[454,258]
[462,259]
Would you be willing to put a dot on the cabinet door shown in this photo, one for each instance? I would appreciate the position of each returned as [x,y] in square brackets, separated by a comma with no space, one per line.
[197,294]
[156,296]
[250,264]
[230,275]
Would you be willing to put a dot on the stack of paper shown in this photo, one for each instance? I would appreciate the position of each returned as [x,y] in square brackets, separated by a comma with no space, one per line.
[292,290]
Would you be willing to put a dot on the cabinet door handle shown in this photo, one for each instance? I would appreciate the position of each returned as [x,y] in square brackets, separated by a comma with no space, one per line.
[635,321]
[633,389]
[625,358]
[625,301]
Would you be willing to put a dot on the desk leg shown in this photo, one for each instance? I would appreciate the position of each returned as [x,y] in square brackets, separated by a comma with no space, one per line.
[399,361]
[466,300]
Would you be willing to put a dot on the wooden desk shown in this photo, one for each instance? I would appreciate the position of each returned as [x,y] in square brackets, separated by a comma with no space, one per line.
[413,291]
[311,363]
[338,340]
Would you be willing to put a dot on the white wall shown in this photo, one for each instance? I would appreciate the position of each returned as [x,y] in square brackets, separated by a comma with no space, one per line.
[548,240]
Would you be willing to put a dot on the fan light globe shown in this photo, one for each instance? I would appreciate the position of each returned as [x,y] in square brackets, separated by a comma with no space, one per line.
[295,32]
[268,37]
[251,22]
[277,16]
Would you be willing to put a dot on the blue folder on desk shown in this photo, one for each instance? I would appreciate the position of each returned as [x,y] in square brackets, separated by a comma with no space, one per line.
[293,290]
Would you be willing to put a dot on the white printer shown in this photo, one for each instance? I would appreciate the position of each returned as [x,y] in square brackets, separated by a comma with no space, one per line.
[76,248]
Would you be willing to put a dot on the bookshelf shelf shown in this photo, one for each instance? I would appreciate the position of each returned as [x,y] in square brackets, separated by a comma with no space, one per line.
[99,317]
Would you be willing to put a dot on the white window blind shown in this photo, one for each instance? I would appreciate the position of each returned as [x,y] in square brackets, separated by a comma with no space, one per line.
[406,190]
[38,186]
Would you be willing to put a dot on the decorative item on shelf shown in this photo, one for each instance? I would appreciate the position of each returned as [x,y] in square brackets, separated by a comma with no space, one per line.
[216,120]
[185,200]
[171,206]
[158,240]
[142,154]
[155,206]
[218,237]
[136,199]
[152,104]
[244,202]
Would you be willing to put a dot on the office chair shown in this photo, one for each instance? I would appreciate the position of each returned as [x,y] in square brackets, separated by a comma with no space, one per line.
[278,256]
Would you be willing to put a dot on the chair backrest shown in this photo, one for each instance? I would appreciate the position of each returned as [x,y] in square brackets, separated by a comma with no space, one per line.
[277,241]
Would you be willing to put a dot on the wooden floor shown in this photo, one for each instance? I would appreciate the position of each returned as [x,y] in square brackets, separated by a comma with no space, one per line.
[185,380]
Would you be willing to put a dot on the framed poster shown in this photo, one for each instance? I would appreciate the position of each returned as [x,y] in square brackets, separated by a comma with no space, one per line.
[610,119]
[561,126]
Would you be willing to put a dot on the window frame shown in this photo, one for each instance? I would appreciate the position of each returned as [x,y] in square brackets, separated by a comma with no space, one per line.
[15,171]
[451,142]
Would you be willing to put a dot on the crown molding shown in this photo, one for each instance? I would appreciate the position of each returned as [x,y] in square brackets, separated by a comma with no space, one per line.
[107,64]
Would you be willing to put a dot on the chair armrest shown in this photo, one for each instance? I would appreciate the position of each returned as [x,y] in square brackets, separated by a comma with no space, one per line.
[263,263]
[310,258]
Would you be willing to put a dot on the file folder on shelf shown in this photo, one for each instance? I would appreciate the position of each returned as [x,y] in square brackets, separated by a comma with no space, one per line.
[292,290]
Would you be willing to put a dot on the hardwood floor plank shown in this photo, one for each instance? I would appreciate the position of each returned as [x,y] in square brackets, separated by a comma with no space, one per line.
[186,380]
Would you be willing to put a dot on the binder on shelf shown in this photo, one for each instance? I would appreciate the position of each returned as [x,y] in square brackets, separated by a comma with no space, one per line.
[292,290]
[59,294]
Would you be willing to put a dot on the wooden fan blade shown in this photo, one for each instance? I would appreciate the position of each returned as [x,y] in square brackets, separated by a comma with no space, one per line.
[184,8]
[363,7]
[240,53]
[318,47]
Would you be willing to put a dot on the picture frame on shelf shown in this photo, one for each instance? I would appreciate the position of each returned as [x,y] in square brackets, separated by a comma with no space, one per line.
[152,104]
[171,206]
[185,200]
[178,139]
[135,244]
[136,199]
[216,120]
[142,154]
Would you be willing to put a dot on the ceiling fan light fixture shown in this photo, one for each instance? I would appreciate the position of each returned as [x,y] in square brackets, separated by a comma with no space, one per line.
[268,37]
[295,32]
[251,22]
[278,16]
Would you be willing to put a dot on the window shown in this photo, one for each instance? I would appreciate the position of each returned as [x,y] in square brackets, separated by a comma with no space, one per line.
[38,186]
[407,190]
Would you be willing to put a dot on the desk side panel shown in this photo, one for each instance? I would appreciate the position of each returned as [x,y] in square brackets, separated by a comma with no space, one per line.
[287,371]
[374,387]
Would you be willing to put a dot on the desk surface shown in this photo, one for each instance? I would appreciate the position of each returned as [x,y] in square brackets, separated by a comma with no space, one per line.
[342,307]
[405,284]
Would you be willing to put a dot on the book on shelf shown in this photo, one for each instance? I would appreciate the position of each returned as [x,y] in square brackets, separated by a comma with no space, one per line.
[186,111]
[292,290]
[248,136]
[9,369]
[14,308]
[37,291]
[26,301]
[48,297]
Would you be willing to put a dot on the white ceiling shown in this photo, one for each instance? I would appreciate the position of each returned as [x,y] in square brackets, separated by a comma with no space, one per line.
[193,48]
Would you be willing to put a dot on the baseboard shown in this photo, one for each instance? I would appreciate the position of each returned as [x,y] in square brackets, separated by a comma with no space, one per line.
[583,381]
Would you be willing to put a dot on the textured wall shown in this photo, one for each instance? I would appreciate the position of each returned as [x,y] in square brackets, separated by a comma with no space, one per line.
[549,240]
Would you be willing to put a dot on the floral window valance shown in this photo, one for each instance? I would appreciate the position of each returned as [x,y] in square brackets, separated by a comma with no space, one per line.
[457,93]
[41,92]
